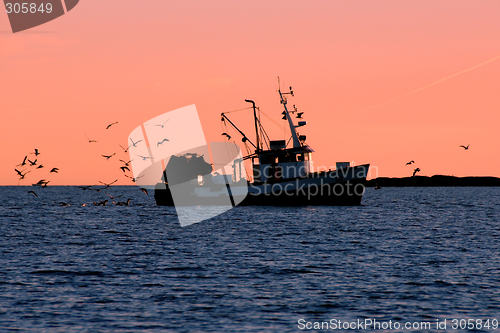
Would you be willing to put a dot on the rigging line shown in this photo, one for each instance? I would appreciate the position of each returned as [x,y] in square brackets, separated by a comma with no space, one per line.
[276,123]
[264,135]
[431,84]
[238,110]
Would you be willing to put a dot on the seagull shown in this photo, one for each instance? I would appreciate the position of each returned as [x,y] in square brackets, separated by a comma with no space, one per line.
[415,171]
[111,124]
[163,125]
[107,185]
[54,170]
[299,115]
[36,152]
[33,192]
[21,174]
[108,156]
[144,190]
[125,149]
[159,143]
[411,162]
[31,162]
[46,184]
[123,203]
[126,163]
[40,182]
[90,141]
[40,166]
[85,187]
[135,143]
[24,161]
[465,147]
[144,157]
[124,168]
[228,136]
[133,179]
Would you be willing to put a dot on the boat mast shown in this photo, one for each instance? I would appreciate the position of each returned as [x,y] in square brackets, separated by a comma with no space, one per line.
[256,126]
[296,142]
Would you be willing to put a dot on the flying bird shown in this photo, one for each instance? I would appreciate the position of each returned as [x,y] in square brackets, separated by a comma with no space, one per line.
[21,174]
[108,156]
[111,124]
[46,184]
[123,203]
[163,125]
[415,171]
[126,163]
[124,168]
[40,166]
[90,141]
[33,192]
[299,115]
[84,188]
[32,162]
[134,179]
[135,143]
[411,162]
[40,182]
[143,157]
[465,147]
[228,136]
[24,161]
[159,143]
[108,185]
[56,170]
[125,149]
[36,152]
[144,190]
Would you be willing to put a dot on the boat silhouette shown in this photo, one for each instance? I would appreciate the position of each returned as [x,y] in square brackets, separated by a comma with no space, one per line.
[281,174]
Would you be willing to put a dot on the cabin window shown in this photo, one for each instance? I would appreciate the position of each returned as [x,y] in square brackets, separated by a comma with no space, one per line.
[307,156]
[300,157]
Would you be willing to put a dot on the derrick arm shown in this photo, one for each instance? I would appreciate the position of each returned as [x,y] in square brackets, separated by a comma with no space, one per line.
[245,138]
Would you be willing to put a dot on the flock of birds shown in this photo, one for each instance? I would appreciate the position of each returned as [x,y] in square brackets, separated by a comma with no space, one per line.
[27,166]
[32,164]
[418,169]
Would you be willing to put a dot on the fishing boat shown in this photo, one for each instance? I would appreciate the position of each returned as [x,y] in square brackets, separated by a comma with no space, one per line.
[281,172]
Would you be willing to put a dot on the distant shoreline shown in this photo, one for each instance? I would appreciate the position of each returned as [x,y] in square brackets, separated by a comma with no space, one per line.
[434,181]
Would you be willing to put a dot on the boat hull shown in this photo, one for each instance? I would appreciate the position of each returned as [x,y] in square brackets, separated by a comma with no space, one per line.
[331,188]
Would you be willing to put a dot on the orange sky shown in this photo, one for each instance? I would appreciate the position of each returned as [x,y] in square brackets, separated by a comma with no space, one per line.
[130,61]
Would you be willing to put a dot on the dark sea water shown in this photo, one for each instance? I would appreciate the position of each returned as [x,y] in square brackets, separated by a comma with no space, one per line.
[405,255]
